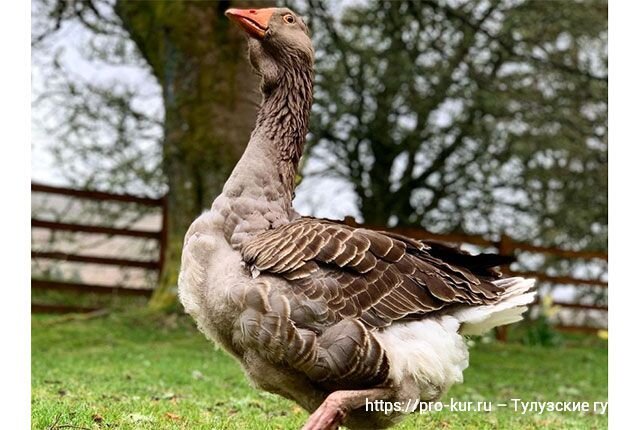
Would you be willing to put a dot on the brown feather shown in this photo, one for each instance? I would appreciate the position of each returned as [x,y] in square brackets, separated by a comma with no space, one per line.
[376,276]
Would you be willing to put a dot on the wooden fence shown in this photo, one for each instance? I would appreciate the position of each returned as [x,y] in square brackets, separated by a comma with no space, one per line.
[156,265]
[505,246]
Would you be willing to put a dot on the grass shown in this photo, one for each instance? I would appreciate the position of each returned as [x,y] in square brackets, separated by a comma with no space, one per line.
[133,371]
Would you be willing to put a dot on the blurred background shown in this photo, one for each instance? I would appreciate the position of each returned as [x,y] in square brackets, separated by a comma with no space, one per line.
[482,123]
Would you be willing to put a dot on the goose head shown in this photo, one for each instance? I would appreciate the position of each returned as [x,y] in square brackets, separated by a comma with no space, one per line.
[278,41]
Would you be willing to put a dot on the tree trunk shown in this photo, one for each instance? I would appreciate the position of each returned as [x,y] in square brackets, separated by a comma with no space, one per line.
[210,100]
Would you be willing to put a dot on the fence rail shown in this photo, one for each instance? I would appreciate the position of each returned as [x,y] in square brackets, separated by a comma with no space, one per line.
[504,246]
[95,195]
[39,284]
[96,229]
[89,259]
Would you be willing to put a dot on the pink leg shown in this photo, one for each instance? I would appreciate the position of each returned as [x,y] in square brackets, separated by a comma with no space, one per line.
[333,411]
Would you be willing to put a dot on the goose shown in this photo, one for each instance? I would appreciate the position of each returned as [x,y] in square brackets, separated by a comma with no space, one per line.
[331,316]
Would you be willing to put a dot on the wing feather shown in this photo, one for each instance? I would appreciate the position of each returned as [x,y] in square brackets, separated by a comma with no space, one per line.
[379,277]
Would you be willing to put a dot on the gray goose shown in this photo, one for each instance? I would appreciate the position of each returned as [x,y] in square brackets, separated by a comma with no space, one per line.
[325,314]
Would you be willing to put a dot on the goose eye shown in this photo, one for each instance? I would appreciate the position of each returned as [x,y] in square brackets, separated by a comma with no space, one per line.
[289,19]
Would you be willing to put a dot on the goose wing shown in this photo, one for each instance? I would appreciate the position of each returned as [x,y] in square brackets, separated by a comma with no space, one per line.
[376,277]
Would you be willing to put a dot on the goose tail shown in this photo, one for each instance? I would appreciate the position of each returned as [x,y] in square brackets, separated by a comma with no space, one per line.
[513,303]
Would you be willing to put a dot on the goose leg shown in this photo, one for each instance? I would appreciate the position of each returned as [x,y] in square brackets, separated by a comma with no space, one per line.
[333,411]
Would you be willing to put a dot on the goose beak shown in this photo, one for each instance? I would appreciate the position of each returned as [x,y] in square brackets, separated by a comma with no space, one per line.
[254,21]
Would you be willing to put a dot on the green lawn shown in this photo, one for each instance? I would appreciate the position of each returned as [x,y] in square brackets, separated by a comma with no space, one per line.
[131,371]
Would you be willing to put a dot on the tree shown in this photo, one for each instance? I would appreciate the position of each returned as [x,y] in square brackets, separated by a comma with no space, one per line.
[210,100]
[209,97]
[487,117]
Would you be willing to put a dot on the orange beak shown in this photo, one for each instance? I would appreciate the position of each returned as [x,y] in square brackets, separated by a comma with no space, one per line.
[253,21]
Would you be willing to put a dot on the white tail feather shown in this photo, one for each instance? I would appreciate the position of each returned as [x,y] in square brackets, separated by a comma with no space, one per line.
[480,319]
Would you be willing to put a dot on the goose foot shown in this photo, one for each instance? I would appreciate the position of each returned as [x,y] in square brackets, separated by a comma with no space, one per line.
[333,411]
[328,416]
